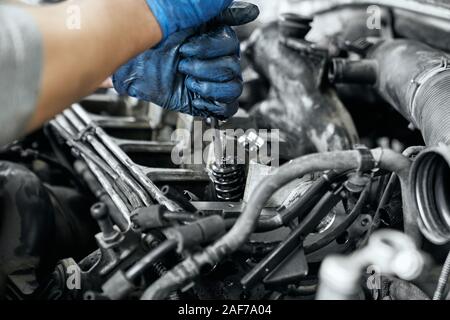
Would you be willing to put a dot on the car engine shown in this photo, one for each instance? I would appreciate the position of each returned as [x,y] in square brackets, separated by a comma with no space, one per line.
[331,182]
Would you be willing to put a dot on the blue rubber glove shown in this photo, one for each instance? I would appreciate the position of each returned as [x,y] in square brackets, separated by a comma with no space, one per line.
[177,15]
[194,71]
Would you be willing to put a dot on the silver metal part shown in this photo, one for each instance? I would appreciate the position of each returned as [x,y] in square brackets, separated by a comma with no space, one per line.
[390,252]
[135,170]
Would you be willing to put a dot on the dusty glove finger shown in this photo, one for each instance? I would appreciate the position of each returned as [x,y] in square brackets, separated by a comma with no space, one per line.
[238,13]
[222,111]
[125,76]
[143,76]
[216,70]
[221,41]
[224,92]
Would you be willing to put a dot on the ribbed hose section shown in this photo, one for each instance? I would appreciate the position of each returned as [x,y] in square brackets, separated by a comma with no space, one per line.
[430,172]
[432,111]
[443,280]
[415,79]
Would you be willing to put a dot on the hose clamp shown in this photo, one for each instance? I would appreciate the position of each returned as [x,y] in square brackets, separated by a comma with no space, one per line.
[422,79]
[367,161]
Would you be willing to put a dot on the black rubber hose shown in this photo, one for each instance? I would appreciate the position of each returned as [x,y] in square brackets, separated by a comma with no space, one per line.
[152,257]
[415,79]
[353,72]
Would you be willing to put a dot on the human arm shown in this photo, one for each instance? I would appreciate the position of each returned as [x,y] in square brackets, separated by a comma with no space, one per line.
[76,61]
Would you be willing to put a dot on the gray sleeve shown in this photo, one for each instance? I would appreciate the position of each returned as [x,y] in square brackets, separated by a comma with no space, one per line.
[20,71]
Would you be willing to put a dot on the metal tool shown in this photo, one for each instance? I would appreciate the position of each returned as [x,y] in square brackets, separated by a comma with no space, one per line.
[226,174]
[217,141]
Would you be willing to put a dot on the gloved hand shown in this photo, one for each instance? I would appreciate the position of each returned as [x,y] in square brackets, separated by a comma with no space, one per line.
[177,15]
[195,71]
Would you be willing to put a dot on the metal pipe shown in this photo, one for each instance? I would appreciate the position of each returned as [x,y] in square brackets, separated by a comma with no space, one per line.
[96,166]
[135,170]
[115,197]
[62,128]
[136,201]
[117,209]
[217,141]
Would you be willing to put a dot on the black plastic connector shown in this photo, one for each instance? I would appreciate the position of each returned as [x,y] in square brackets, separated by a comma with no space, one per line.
[201,232]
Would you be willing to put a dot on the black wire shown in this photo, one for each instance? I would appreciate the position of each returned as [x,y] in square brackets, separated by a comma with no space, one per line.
[149,259]
[386,197]
[326,239]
